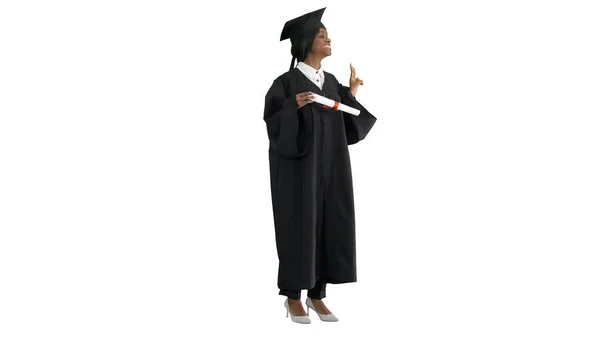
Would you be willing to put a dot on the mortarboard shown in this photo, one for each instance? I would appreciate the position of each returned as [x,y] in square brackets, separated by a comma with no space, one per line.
[302,24]
[298,27]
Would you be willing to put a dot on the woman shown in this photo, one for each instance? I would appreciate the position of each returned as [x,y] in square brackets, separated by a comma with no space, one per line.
[311,179]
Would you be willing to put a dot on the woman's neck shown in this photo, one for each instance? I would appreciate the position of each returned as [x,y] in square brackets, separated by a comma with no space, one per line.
[313,61]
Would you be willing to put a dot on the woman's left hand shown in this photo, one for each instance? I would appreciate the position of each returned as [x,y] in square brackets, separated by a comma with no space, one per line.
[354,81]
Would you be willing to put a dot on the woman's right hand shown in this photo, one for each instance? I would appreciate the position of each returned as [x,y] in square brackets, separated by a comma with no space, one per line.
[304,98]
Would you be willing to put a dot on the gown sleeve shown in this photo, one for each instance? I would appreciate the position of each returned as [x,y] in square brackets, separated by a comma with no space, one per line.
[357,127]
[289,135]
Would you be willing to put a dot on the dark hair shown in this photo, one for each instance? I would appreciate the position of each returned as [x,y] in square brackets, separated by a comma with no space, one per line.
[301,45]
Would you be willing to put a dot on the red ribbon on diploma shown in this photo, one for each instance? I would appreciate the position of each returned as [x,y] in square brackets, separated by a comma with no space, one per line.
[335,106]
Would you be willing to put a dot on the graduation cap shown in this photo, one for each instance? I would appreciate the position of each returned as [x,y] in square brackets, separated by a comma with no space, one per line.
[303,24]
[299,27]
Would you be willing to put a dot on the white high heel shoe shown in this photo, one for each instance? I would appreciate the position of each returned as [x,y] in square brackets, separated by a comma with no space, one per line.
[324,318]
[297,319]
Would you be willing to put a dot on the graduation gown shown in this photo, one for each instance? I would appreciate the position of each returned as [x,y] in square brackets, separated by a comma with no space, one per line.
[311,180]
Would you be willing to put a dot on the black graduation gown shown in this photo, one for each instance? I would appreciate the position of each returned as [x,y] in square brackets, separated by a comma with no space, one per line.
[311,180]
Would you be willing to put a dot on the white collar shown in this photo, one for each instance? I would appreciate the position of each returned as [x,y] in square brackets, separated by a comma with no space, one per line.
[310,71]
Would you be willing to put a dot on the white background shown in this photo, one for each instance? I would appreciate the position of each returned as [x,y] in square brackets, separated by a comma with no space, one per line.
[134,177]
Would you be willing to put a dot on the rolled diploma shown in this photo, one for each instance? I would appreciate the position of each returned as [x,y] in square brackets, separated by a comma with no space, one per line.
[332,104]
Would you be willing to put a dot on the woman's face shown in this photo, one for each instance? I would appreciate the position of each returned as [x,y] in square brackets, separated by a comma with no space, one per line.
[322,44]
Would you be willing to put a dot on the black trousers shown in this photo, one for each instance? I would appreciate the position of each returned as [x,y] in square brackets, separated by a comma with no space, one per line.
[318,292]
